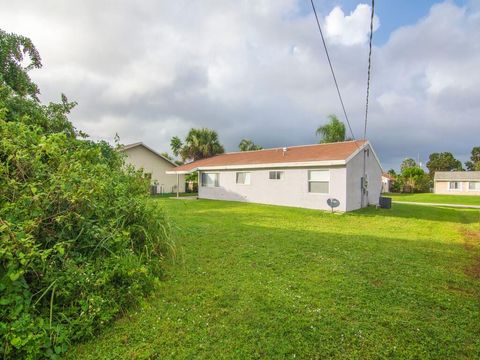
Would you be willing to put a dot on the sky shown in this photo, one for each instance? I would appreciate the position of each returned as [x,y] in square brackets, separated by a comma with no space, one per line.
[256,69]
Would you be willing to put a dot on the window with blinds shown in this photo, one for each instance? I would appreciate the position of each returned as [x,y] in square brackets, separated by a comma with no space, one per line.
[319,181]
[243,178]
[210,179]
[275,175]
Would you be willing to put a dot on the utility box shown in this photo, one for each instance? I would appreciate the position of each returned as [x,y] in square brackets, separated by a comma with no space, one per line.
[385,202]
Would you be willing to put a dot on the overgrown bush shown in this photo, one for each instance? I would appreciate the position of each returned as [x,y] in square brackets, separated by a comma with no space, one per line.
[79,239]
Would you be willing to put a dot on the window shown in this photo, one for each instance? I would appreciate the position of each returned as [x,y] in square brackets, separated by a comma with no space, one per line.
[275,175]
[454,185]
[210,179]
[474,185]
[319,181]
[243,178]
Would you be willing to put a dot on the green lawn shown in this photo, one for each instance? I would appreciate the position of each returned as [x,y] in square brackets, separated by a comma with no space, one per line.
[438,199]
[258,281]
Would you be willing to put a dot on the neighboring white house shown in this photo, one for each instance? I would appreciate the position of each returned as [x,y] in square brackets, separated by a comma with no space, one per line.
[387,181]
[302,176]
[457,182]
[143,157]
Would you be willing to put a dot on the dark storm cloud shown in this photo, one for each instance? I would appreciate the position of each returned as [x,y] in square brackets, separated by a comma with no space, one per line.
[255,69]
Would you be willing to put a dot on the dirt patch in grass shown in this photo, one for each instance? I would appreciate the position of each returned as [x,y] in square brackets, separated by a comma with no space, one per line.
[472,244]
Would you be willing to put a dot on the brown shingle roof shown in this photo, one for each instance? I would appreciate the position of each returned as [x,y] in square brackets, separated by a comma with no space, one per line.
[305,153]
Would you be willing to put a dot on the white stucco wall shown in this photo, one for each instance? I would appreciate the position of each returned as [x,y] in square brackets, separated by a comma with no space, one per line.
[354,175]
[292,190]
[441,187]
[142,158]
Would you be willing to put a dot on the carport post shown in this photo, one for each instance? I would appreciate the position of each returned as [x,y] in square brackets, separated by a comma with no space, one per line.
[178,184]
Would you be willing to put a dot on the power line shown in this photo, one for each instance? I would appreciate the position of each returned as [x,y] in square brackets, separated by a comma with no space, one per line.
[331,68]
[364,177]
[369,69]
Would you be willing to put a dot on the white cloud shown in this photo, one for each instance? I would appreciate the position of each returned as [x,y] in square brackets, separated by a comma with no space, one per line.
[350,29]
[255,69]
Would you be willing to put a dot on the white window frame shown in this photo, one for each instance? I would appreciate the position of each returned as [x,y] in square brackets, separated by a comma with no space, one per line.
[470,182]
[310,181]
[215,184]
[459,188]
[249,177]
[280,172]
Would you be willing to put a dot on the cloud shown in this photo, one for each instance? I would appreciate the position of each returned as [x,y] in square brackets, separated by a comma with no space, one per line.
[255,69]
[350,29]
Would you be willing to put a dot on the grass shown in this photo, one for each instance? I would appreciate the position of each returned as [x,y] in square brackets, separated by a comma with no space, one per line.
[266,282]
[437,198]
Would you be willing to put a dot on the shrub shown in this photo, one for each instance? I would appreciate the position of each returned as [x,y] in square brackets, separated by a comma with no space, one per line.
[80,240]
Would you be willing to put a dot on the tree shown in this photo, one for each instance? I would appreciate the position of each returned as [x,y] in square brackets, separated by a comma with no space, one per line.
[407,163]
[333,131]
[166,155]
[13,49]
[199,144]
[474,163]
[414,179]
[176,145]
[392,172]
[248,145]
[444,161]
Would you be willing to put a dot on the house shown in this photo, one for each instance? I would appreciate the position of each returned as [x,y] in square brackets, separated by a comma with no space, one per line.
[143,157]
[387,181]
[457,182]
[301,176]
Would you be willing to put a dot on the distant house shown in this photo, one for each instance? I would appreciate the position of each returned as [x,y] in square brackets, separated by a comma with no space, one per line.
[457,182]
[302,176]
[387,181]
[143,157]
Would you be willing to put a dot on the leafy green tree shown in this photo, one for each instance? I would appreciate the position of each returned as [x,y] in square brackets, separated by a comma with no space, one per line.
[80,240]
[407,163]
[444,161]
[199,144]
[474,163]
[333,131]
[167,156]
[396,186]
[414,179]
[13,49]
[248,145]
[392,172]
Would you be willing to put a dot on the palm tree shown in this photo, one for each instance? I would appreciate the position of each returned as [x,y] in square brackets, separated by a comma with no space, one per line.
[199,144]
[176,145]
[248,145]
[333,131]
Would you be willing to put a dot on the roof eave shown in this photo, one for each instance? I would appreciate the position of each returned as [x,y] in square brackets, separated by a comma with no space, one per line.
[261,166]
[457,179]
[360,148]
[134,145]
